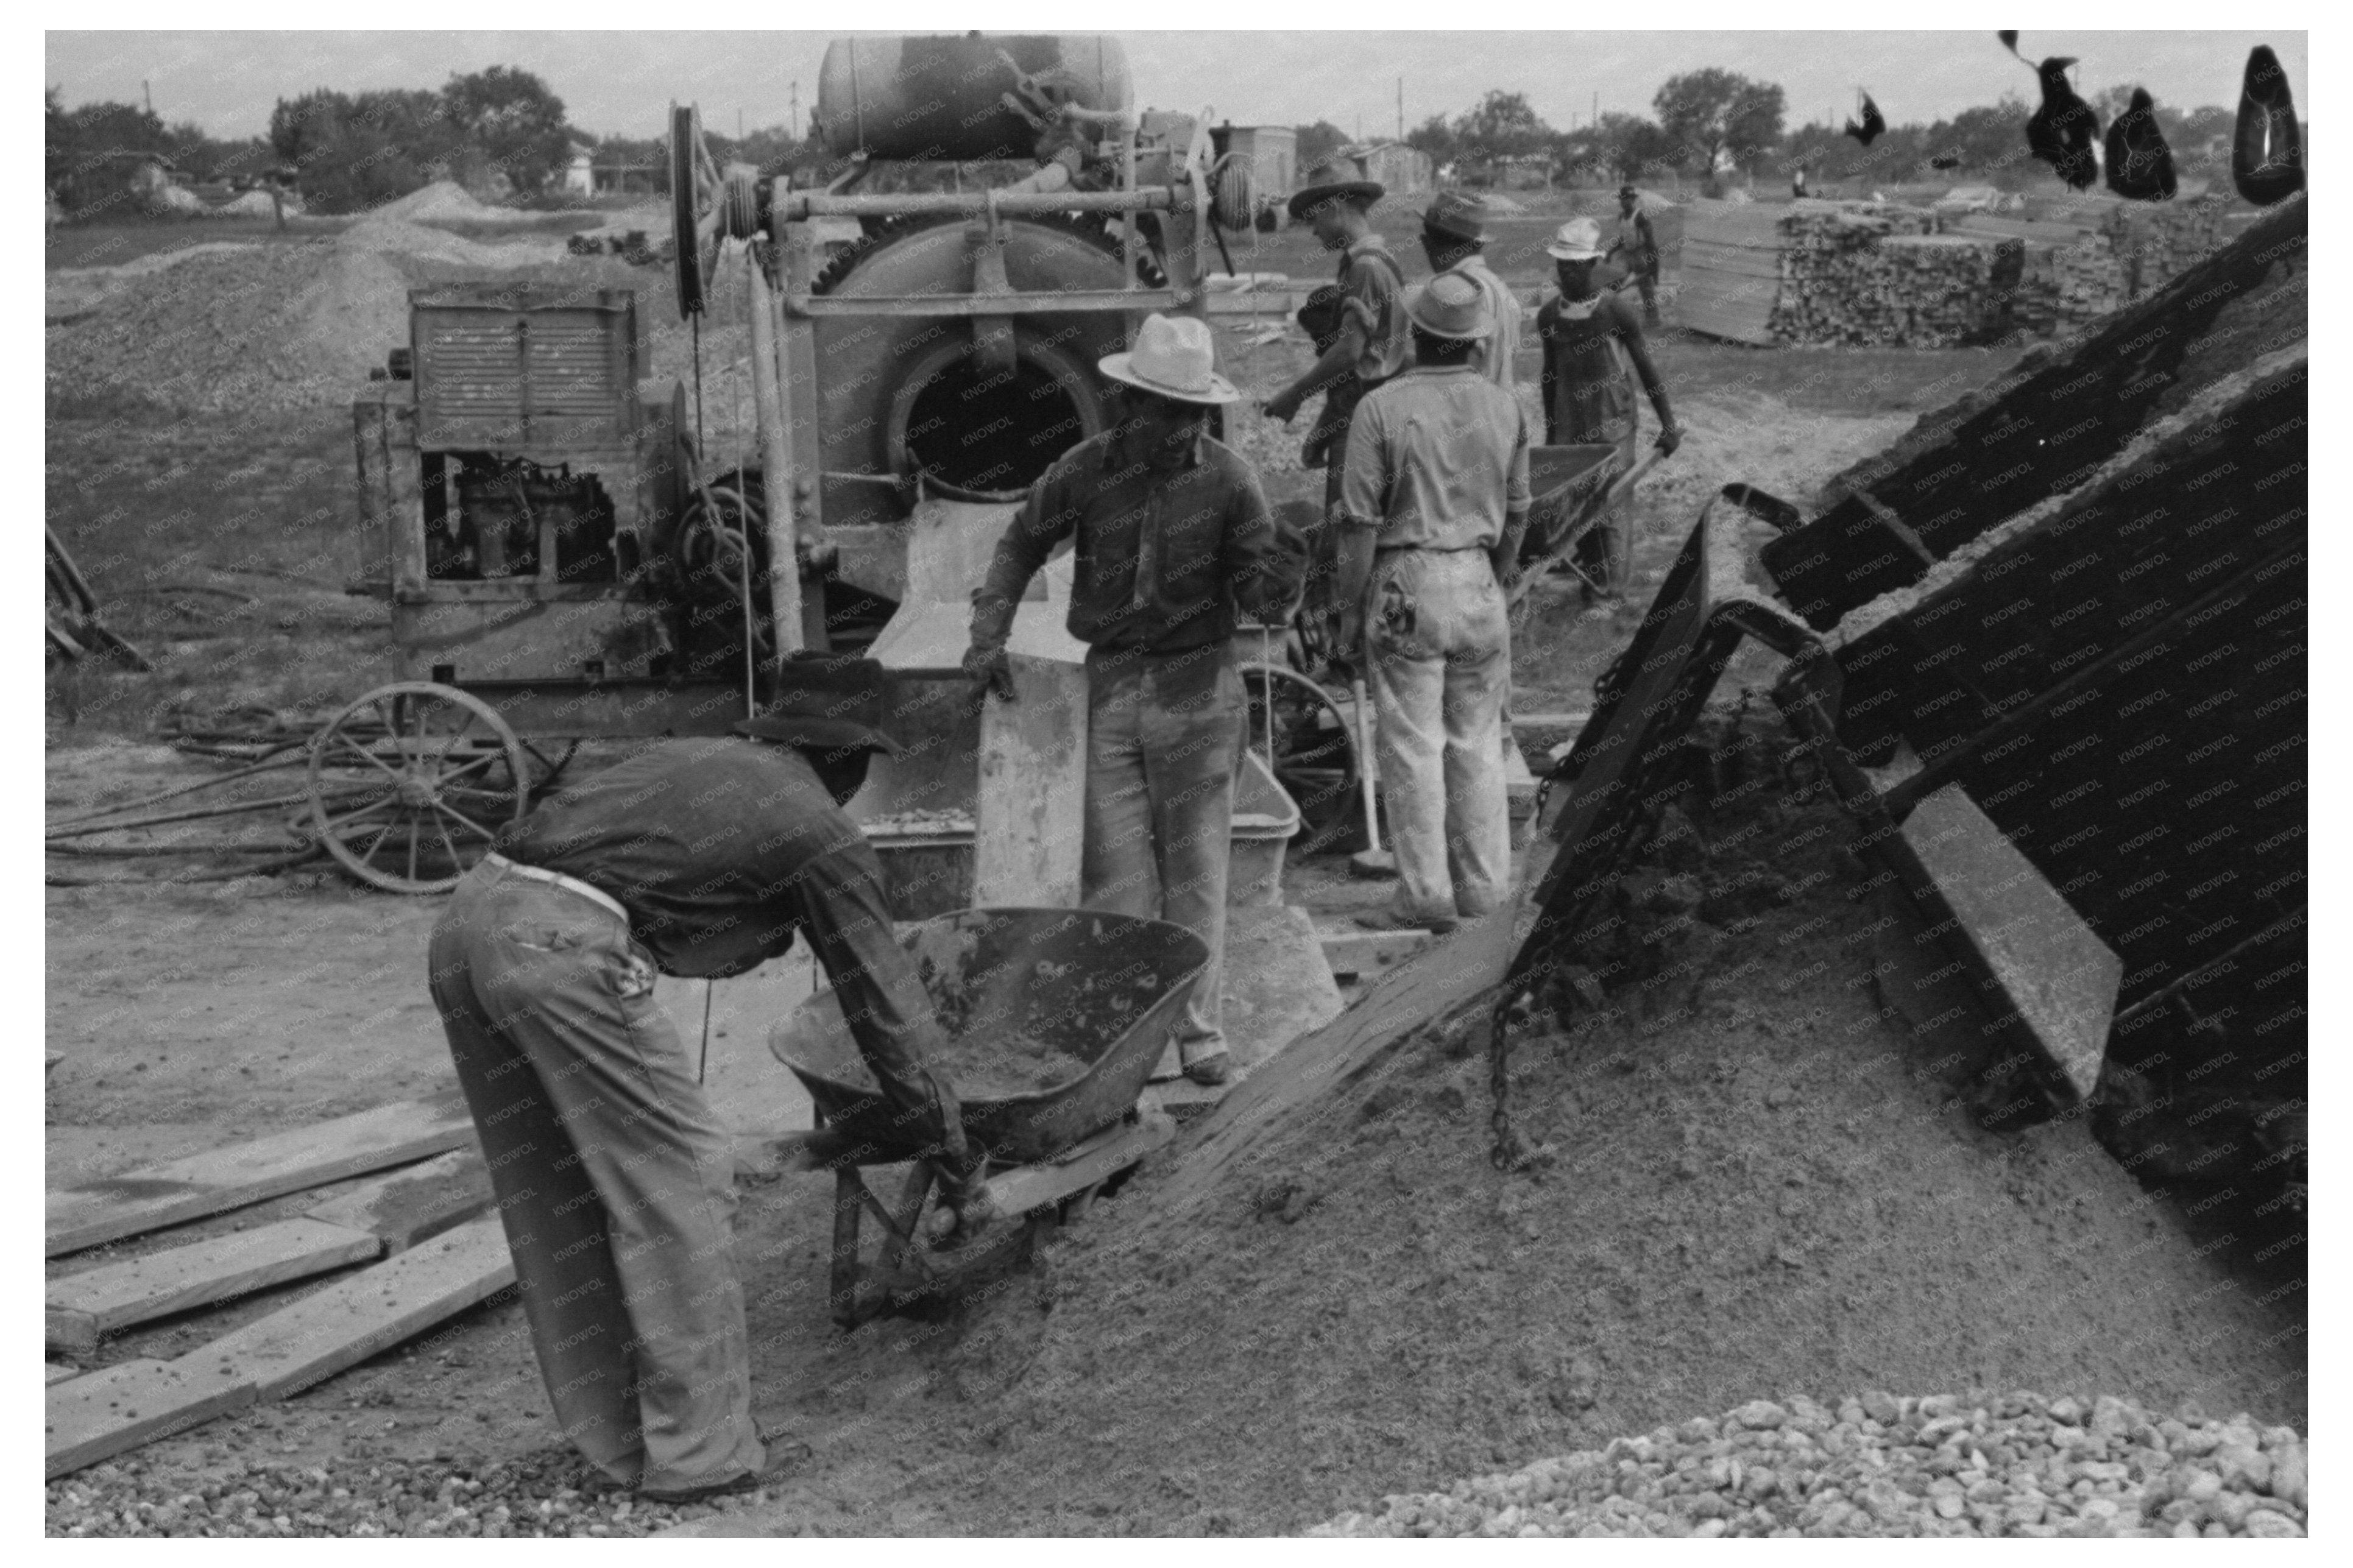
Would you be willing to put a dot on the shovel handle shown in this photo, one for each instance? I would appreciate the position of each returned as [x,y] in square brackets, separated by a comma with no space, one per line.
[1365,762]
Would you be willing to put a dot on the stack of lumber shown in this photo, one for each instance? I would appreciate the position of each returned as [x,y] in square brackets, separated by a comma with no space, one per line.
[1730,269]
[1882,277]
[419,1228]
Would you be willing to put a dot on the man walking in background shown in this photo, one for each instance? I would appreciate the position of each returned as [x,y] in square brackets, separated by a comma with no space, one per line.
[1372,344]
[1435,499]
[1454,238]
[1171,535]
[1638,243]
[1593,352]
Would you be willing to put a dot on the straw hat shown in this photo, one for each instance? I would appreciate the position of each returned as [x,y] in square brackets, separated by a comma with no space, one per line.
[1174,357]
[1579,239]
[1338,179]
[1450,306]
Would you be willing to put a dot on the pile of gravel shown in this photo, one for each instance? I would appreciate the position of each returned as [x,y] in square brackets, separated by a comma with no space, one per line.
[1942,1465]
[550,1493]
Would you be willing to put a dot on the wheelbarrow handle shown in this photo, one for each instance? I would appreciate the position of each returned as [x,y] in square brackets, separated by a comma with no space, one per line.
[1610,498]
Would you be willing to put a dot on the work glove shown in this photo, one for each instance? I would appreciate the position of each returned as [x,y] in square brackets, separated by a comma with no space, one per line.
[989,670]
[1283,405]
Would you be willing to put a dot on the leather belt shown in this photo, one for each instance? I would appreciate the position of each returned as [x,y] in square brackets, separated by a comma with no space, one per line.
[556,878]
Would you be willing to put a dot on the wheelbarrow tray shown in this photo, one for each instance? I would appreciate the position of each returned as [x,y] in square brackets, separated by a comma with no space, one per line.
[1568,482]
[1103,991]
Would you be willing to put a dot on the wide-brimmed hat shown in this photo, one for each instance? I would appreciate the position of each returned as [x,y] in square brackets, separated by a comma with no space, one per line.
[826,702]
[1459,214]
[1630,191]
[1338,179]
[1450,306]
[1579,239]
[1174,357]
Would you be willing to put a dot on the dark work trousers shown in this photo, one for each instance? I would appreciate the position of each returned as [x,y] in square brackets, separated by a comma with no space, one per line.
[613,1179]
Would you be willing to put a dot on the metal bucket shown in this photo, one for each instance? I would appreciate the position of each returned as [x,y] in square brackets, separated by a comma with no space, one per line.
[1104,990]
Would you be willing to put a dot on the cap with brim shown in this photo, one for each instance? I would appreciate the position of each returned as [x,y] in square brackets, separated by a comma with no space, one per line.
[1457,215]
[826,702]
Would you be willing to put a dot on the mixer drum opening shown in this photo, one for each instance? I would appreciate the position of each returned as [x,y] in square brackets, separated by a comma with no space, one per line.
[982,437]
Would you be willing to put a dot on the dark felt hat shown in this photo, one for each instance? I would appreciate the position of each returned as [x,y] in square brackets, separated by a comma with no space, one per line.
[1459,214]
[1339,178]
[826,702]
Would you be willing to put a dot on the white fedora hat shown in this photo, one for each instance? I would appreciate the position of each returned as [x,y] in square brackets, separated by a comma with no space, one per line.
[1579,239]
[1174,357]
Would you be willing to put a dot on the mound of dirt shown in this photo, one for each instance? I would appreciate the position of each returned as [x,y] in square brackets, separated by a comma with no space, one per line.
[442,198]
[1759,1192]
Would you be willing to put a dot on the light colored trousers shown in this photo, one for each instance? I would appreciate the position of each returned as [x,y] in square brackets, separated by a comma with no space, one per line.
[1164,735]
[613,1179]
[1440,650]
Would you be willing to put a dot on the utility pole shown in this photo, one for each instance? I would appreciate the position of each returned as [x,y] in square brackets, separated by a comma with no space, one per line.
[1401,109]
[148,96]
[739,123]
[793,123]
[1596,108]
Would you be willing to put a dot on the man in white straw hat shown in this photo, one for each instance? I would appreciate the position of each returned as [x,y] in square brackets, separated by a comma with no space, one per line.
[1593,352]
[1434,503]
[1172,534]
[1371,347]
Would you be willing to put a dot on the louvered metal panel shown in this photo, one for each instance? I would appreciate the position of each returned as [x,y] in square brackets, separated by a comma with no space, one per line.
[506,367]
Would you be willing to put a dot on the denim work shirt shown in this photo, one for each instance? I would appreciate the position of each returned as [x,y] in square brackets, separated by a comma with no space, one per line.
[1437,459]
[1165,551]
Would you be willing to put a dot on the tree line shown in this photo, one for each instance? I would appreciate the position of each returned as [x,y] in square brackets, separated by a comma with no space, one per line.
[1716,121]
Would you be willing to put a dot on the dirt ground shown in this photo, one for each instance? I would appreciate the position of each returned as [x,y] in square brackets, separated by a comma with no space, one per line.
[1730,1218]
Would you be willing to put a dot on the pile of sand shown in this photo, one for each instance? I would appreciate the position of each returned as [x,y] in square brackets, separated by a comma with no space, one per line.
[1759,1193]
[441,199]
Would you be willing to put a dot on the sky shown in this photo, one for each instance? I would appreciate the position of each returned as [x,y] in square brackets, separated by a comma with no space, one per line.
[620,82]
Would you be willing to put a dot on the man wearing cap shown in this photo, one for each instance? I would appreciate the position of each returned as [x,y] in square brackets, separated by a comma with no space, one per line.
[1172,533]
[1436,498]
[1373,344]
[695,857]
[1593,352]
[1639,243]
[1454,238]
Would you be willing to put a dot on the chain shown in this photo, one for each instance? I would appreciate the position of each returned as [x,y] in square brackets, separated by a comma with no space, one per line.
[1506,1152]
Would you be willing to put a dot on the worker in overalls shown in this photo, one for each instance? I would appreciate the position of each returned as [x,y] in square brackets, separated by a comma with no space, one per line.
[1454,238]
[1372,344]
[699,857]
[1435,503]
[1172,535]
[1593,353]
[1638,243]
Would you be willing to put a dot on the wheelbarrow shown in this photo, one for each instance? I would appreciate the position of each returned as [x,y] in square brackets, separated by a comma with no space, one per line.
[1571,490]
[1055,1019]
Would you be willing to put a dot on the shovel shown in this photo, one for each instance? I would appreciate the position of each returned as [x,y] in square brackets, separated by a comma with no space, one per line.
[1370,865]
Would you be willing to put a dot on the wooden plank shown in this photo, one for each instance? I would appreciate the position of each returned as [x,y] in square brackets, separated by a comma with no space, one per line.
[81,1308]
[102,1413]
[353,1319]
[1033,780]
[404,1207]
[1028,1186]
[1747,261]
[59,1374]
[154,1196]
[1364,953]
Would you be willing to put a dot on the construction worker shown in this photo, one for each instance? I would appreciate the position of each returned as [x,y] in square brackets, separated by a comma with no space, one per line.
[1593,352]
[1454,238]
[1639,243]
[614,1178]
[1435,503]
[1372,344]
[1172,534]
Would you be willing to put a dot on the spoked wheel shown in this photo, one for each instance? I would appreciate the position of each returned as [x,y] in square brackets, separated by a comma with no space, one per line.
[1312,754]
[410,784]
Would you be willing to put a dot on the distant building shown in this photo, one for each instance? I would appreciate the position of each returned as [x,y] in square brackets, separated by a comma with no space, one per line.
[1271,152]
[580,174]
[1403,169]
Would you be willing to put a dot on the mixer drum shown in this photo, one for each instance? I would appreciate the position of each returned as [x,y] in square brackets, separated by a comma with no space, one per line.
[907,393]
[943,98]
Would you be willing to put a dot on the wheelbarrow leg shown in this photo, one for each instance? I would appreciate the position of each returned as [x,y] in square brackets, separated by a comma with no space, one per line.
[898,1244]
[841,1296]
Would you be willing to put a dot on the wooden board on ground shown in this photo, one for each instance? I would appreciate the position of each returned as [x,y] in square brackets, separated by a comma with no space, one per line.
[154,1196]
[1362,954]
[1033,782]
[404,1207]
[104,1413]
[351,1319]
[83,1308]
[59,1374]
[1107,1155]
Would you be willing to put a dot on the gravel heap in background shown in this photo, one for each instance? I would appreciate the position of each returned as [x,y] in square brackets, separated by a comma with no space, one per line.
[2012,1463]
[550,1493]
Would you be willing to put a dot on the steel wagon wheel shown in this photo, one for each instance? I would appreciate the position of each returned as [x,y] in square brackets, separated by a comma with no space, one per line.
[410,784]
[1313,755]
